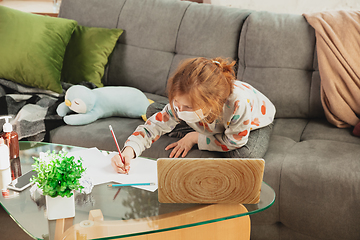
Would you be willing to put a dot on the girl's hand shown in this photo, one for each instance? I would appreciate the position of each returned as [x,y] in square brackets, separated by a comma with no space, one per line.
[128,154]
[183,145]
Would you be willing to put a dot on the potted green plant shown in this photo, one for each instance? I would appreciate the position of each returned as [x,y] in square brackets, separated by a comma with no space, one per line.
[58,177]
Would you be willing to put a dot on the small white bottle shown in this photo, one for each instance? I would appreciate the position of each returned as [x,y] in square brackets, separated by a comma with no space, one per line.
[5,173]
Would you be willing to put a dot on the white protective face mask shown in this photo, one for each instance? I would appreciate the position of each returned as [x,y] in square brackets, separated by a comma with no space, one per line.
[190,116]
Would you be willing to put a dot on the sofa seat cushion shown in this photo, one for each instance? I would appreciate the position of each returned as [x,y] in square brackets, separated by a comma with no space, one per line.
[274,159]
[286,133]
[291,128]
[313,168]
[323,130]
[97,134]
[319,188]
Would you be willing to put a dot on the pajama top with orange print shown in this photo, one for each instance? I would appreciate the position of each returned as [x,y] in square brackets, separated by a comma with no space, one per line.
[246,109]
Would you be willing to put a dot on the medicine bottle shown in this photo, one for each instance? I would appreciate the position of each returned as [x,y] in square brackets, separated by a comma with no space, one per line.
[12,141]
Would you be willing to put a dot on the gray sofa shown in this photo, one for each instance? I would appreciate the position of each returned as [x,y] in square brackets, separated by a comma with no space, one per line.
[313,166]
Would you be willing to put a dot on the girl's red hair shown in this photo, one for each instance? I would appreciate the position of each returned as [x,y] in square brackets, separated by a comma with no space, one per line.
[208,84]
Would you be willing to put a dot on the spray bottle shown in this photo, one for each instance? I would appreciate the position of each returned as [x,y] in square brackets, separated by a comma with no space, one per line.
[12,141]
[5,173]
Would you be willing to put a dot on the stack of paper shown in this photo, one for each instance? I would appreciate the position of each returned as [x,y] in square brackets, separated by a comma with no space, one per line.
[99,169]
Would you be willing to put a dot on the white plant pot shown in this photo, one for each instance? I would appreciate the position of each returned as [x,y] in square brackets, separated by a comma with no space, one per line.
[60,207]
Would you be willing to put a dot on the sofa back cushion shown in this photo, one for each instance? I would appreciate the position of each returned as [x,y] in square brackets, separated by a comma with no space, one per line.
[143,57]
[157,35]
[92,13]
[209,31]
[277,56]
[276,52]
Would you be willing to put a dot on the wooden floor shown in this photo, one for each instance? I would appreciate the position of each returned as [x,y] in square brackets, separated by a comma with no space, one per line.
[9,229]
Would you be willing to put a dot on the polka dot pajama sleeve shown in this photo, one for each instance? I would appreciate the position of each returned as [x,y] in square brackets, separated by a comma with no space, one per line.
[156,126]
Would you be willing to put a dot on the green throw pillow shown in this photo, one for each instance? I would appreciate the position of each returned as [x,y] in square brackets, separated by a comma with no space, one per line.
[32,48]
[87,54]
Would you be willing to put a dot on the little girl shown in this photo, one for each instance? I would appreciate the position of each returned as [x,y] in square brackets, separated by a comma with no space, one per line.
[224,112]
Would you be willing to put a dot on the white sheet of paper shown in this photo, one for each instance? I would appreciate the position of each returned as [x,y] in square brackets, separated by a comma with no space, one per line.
[98,167]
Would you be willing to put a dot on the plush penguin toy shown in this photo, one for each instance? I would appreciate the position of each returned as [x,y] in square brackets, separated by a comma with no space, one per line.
[104,102]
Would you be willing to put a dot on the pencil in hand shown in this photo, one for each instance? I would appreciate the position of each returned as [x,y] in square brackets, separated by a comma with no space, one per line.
[118,148]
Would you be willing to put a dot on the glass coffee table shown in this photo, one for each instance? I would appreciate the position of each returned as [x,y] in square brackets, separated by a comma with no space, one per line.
[127,212]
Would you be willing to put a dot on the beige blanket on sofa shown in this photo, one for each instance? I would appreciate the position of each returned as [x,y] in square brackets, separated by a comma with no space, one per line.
[338,49]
